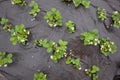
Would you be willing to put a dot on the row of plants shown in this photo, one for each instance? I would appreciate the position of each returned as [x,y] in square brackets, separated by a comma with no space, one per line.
[92,72]
[92,38]
[58,50]
[102,15]
[54,18]
[77,3]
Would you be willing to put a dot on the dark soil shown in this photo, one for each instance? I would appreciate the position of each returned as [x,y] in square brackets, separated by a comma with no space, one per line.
[28,60]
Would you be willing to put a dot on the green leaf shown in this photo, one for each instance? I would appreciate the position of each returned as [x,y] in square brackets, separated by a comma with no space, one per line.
[86,3]
[77,2]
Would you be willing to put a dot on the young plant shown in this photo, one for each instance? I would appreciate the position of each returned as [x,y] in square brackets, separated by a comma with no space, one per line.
[107,46]
[53,18]
[5,59]
[70,26]
[75,62]
[5,24]
[35,8]
[116,19]
[40,76]
[102,14]
[44,43]
[59,51]
[19,35]
[17,2]
[90,37]
[93,72]
[85,3]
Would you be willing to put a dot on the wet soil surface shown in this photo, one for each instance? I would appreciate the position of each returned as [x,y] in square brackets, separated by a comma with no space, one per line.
[28,60]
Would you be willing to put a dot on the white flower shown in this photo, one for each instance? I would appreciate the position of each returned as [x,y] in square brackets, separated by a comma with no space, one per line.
[5,65]
[51,57]
[79,68]
[86,69]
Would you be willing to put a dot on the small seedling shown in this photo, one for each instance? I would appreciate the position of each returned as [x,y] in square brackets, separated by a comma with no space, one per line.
[35,8]
[102,14]
[17,2]
[85,3]
[19,35]
[107,46]
[90,37]
[5,59]
[70,26]
[116,19]
[93,72]
[75,62]
[40,76]
[5,24]
[53,18]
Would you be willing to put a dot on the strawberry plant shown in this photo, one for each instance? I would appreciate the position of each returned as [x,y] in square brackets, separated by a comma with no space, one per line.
[90,37]
[85,3]
[40,76]
[93,72]
[21,2]
[70,26]
[59,51]
[102,14]
[116,19]
[75,62]
[53,18]
[44,43]
[5,24]
[107,46]
[5,59]
[19,35]
[35,8]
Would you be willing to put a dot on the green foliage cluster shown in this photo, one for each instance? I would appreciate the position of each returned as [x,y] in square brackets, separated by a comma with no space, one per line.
[5,24]
[53,18]
[93,72]
[90,37]
[59,50]
[40,76]
[19,35]
[35,8]
[102,14]
[44,43]
[5,59]
[85,3]
[70,26]
[107,46]
[116,19]
[21,2]
[75,62]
